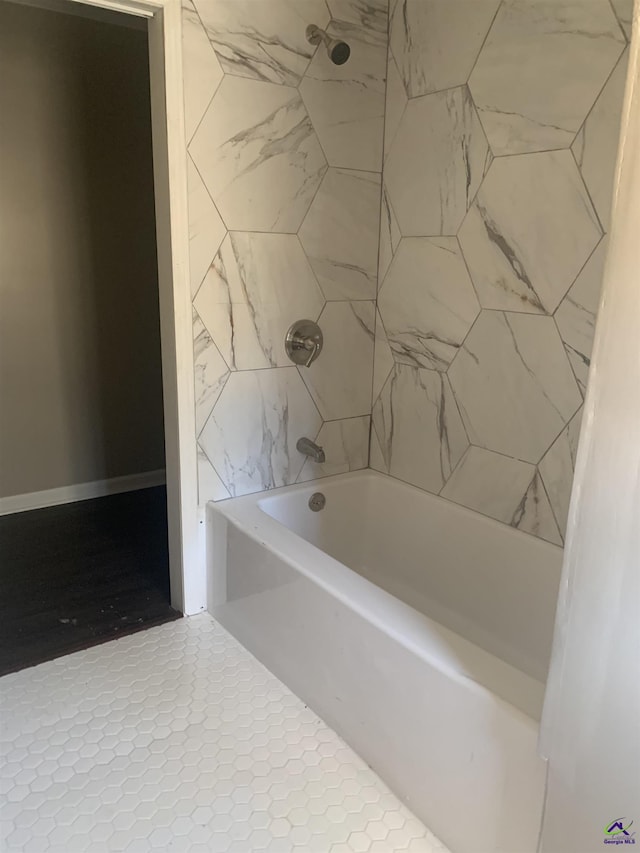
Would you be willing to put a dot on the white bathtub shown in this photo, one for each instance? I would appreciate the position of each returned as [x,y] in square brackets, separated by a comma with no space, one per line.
[419,630]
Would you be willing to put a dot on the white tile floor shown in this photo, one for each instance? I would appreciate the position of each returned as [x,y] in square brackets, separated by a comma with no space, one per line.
[177,739]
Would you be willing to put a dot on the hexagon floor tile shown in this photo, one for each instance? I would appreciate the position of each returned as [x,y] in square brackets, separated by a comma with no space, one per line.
[178,739]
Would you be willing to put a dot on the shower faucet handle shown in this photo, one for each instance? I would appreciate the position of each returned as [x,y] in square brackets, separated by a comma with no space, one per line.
[303,342]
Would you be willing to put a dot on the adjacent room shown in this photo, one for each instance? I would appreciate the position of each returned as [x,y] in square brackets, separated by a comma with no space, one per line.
[83,541]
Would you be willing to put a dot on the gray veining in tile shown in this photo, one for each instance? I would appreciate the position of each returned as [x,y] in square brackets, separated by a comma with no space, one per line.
[257,286]
[534,514]
[489,483]
[251,435]
[210,372]
[513,384]
[576,315]
[340,234]
[258,155]
[262,40]
[346,102]
[540,70]
[529,232]
[201,70]
[436,42]
[340,379]
[419,428]
[437,161]
[427,302]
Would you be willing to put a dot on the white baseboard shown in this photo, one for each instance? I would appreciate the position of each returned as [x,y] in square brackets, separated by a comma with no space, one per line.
[82,491]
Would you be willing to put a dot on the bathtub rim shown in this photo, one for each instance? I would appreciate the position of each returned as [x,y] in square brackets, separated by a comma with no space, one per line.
[433,642]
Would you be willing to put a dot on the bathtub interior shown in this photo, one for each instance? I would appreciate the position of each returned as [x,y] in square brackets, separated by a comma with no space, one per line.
[495,586]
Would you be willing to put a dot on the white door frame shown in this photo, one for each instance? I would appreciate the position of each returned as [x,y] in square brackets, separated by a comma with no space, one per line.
[185,527]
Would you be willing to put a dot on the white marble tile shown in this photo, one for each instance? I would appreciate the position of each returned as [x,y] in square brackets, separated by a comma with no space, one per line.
[206,228]
[419,428]
[535,516]
[262,40]
[529,232]
[557,467]
[540,71]
[436,163]
[436,42]
[210,486]
[376,459]
[427,302]
[257,286]
[251,434]
[596,145]
[395,103]
[576,314]
[258,155]
[369,15]
[340,378]
[513,384]
[389,235]
[382,359]
[209,369]
[489,483]
[346,448]
[201,71]
[346,102]
[340,234]
[624,13]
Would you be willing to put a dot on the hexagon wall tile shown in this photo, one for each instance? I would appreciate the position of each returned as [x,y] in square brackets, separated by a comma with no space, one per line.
[529,231]
[206,229]
[557,467]
[346,447]
[210,371]
[596,146]
[576,315]
[210,486]
[383,360]
[427,302]
[436,44]
[340,234]
[513,384]
[436,163]
[257,286]
[258,155]
[346,102]
[178,739]
[395,104]
[389,235]
[489,483]
[251,434]
[340,378]
[263,41]
[419,428]
[200,68]
[624,13]
[540,71]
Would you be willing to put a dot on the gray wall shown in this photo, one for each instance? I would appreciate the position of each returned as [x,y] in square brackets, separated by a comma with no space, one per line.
[80,378]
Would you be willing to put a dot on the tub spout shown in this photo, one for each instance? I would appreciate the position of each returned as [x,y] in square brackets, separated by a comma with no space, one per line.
[311,449]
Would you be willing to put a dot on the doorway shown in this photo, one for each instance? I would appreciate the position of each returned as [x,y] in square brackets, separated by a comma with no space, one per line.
[83,533]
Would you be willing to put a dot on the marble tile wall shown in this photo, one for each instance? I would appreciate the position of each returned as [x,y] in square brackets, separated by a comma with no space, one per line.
[285,160]
[500,141]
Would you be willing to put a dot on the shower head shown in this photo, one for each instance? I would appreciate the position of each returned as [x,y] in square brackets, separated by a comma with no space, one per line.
[338,51]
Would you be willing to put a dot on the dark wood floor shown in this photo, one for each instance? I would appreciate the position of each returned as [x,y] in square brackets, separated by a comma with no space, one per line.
[76,575]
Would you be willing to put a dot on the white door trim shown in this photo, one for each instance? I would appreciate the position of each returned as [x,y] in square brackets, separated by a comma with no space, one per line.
[186,554]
